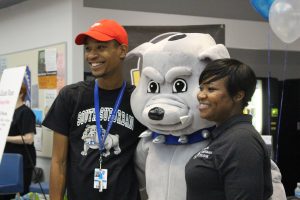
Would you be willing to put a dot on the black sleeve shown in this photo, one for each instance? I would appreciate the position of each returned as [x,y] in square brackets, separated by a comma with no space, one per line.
[27,122]
[242,167]
[59,114]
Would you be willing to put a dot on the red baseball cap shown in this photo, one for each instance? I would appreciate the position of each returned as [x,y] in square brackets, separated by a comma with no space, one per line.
[104,30]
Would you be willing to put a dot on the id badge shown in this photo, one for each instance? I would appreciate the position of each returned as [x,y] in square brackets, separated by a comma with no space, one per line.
[100,179]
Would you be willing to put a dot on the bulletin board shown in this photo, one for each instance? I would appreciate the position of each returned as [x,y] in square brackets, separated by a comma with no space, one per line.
[47,66]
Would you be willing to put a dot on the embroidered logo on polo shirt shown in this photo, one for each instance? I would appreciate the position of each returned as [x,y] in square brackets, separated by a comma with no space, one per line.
[204,153]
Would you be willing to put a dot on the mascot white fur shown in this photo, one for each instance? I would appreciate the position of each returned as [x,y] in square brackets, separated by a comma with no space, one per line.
[165,101]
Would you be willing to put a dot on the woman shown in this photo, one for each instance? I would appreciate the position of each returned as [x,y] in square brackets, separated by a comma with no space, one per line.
[20,139]
[235,164]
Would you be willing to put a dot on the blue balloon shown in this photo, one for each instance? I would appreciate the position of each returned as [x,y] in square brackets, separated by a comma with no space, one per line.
[262,7]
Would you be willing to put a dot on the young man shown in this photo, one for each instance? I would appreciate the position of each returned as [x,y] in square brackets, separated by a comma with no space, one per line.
[95,132]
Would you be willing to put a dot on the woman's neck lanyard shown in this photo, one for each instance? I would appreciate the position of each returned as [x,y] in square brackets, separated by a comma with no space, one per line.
[102,136]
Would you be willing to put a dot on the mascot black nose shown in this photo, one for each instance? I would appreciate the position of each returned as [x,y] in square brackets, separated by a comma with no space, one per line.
[156,113]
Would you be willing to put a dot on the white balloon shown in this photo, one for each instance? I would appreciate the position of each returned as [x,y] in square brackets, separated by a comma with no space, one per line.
[284,19]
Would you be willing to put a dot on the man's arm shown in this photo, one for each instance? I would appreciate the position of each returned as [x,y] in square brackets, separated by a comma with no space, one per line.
[58,166]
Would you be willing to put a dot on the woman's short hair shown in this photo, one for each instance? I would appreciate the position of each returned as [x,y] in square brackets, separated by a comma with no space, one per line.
[240,77]
[23,91]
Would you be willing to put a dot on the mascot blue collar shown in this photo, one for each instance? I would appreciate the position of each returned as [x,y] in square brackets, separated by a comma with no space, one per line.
[195,137]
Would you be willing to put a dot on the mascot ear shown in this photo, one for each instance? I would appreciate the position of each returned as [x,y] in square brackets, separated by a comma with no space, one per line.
[215,52]
[139,50]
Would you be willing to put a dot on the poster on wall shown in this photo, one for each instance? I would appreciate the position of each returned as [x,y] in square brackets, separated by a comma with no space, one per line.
[47,81]
[41,62]
[138,35]
[61,72]
[49,97]
[50,60]
[47,68]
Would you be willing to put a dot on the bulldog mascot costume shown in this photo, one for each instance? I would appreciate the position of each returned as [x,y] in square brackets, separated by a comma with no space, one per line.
[165,101]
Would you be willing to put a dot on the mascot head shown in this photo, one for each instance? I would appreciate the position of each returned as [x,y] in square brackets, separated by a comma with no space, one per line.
[165,98]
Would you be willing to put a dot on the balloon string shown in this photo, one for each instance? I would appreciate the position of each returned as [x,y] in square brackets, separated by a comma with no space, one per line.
[281,100]
[269,48]
[269,77]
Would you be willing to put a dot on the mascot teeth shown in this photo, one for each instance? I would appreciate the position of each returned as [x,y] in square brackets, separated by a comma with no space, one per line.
[184,119]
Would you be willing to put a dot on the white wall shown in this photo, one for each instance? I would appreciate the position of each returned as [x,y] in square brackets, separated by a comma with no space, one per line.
[37,23]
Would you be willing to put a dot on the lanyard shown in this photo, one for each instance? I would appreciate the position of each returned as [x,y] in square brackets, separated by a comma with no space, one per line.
[102,137]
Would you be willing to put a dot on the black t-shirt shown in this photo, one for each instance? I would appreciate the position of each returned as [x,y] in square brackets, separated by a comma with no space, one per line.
[73,114]
[23,122]
[234,166]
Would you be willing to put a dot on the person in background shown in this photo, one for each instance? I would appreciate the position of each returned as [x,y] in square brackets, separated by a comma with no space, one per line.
[95,132]
[236,163]
[20,139]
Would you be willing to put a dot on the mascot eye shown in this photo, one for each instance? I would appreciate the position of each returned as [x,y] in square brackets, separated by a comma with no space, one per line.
[153,87]
[179,86]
